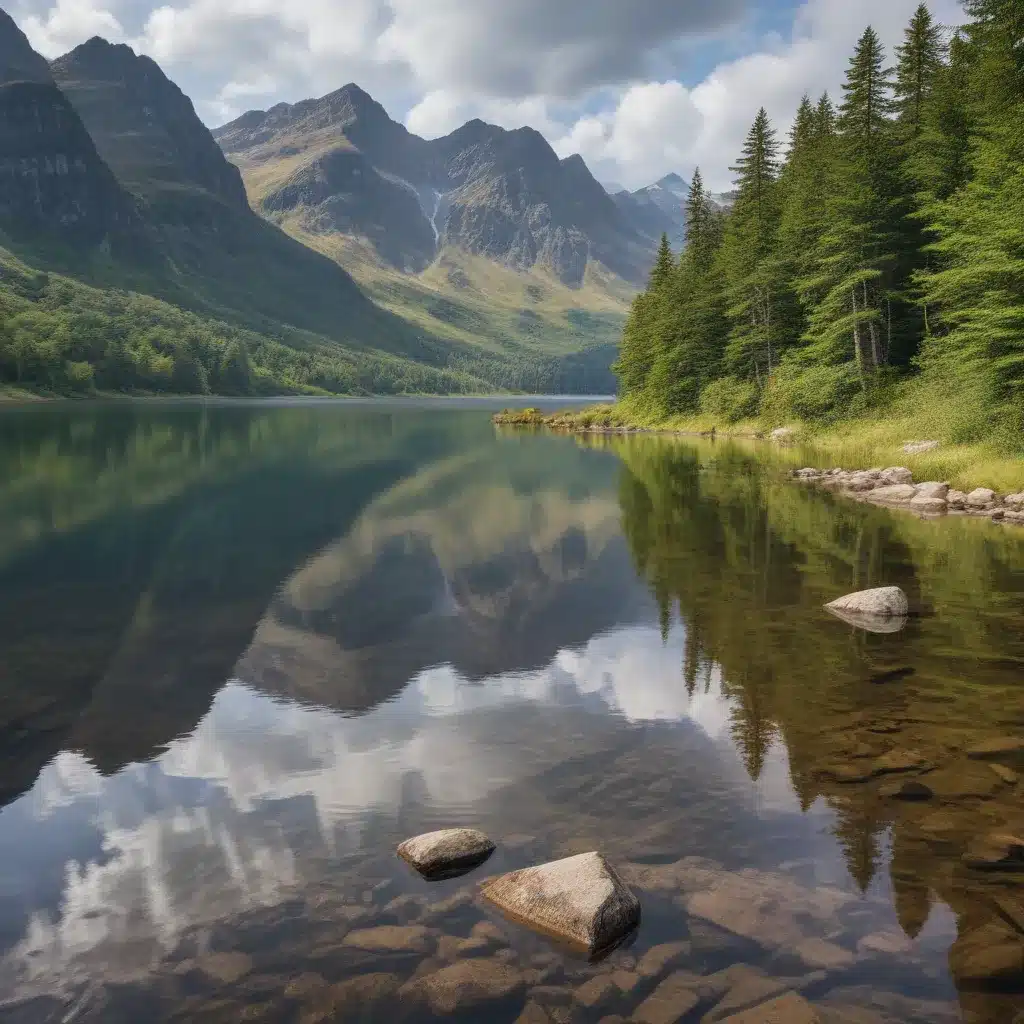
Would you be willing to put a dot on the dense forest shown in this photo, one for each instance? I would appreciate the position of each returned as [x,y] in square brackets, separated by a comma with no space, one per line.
[60,336]
[876,257]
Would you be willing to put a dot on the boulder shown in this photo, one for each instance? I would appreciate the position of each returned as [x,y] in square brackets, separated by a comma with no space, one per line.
[881,610]
[933,489]
[917,447]
[1015,501]
[928,504]
[996,852]
[1014,517]
[782,435]
[981,497]
[579,899]
[956,499]
[447,853]
[897,475]
[894,494]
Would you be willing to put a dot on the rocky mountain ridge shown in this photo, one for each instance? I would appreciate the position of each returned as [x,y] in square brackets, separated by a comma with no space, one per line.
[345,166]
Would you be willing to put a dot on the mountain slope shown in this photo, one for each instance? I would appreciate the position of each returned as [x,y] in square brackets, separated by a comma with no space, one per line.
[18,61]
[501,194]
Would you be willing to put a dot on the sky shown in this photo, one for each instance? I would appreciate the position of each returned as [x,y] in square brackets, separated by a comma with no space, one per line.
[637,87]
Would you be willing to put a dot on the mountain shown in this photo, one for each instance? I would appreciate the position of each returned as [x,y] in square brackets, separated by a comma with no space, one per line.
[611,187]
[53,182]
[345,166]
[660,207]
[18,61]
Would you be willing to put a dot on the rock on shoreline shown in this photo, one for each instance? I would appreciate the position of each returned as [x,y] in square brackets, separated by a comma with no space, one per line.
[895,487]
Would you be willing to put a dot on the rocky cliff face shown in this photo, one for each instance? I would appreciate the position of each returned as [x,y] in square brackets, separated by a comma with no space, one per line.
[18,61]
[51,177]
[501,194]
[143,125]
[53,183]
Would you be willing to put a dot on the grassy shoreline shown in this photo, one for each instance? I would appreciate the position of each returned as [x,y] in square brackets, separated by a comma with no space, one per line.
[850,444]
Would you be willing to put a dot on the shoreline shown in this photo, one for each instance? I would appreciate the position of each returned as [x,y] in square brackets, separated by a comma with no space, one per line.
[949,474]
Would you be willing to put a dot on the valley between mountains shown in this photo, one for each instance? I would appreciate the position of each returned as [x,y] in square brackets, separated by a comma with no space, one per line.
[316,247]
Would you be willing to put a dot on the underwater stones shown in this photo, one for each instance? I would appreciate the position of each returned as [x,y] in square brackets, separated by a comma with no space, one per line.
[995,852]
[907,789]
[990,955]
[389,938]
[997,747]
[788,1008]
[465,986]
[744,987]
[670,1002]
[817,952]
[225,967]
[880,610]
[578,899]
[446,853]
[598,993]
[658,958]
[899,761]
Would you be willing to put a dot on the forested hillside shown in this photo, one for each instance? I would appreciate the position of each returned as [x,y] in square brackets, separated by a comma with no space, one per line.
[875,257]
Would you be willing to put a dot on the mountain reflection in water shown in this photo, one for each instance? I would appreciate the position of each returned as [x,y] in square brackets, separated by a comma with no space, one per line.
[250,648]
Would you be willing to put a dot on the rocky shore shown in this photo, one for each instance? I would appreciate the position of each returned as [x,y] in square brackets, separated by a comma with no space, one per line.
[895,487]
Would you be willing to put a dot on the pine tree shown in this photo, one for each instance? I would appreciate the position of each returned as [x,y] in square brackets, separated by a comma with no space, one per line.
[920,61]
[664,264]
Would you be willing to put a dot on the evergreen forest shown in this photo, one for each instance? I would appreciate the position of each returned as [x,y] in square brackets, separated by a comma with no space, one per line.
[874,257]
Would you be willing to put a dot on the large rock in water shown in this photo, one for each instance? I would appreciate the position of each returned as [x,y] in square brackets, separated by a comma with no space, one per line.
[580,900]
[881,610]
[447,853]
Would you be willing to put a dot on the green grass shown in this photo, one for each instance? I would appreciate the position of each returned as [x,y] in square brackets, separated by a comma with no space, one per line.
[871,440]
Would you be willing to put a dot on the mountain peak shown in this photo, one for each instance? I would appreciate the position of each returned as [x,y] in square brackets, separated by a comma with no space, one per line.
[673,182]
[18,61]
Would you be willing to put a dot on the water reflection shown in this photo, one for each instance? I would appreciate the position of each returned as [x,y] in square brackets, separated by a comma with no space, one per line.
[319,632]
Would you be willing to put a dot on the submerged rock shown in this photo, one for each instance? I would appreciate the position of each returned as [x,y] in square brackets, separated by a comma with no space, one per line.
[996,852]
[990,955]
[670,1002]
[447,853]
[469,985]
[579,899]
[786,1009]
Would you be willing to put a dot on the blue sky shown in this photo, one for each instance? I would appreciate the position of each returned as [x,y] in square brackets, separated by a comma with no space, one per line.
[638,87]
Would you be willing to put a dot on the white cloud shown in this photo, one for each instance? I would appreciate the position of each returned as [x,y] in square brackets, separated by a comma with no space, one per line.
[605,78]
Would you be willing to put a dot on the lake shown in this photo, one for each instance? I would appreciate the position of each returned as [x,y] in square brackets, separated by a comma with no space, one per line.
[248,648]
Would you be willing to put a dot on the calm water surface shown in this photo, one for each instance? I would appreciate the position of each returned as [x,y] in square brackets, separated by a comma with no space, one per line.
[245,649]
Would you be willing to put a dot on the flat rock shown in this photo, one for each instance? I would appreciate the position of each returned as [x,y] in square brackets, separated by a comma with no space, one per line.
[928,503]
[894,494]
[464,986]
[917,447]
[1008,775]
[996,748]
[821,953]
[980,497]
[990,955]
[391,938]
[892,943]
[446,853]
[580,899]
[996,852]
[751,988]
[907,789]
[597,993]
[898,761]
[963,779]
[659,958]
[789,1008]
[669,1003]
[225,967]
